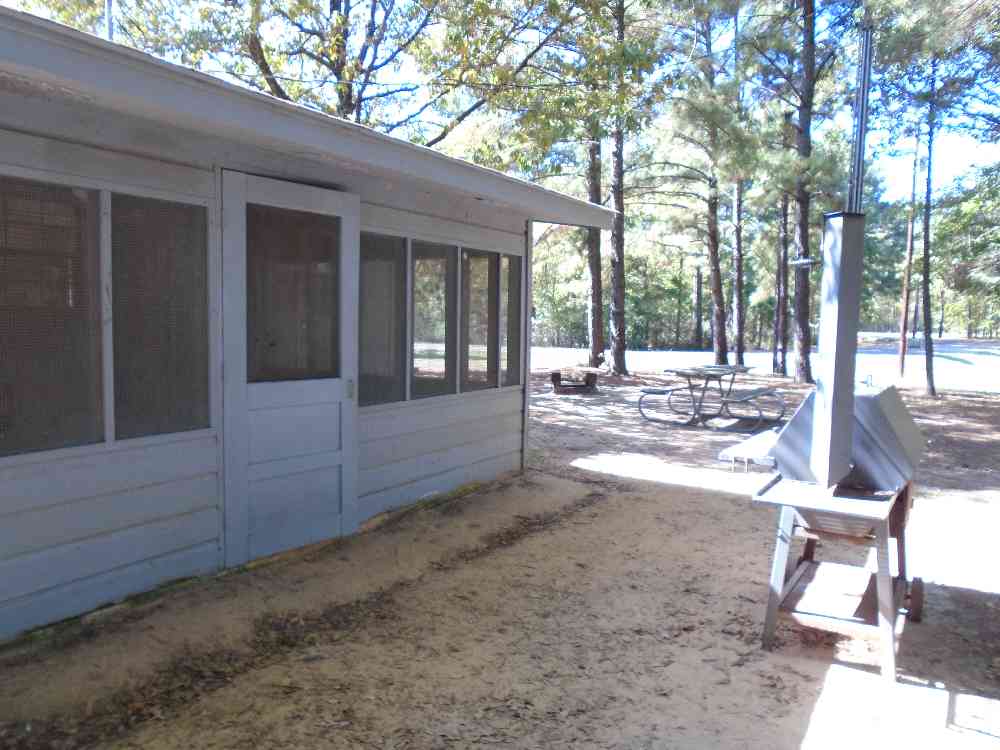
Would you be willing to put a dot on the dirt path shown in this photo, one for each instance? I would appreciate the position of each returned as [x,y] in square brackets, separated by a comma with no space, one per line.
[567,608]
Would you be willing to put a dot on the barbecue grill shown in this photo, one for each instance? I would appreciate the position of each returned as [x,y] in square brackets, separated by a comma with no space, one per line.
[844,465]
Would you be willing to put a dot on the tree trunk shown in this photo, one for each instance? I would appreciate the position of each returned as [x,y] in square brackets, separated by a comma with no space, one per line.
[596,316]
[618,230]
[699,315]
[739,303]
[779,360]
[907,271]
[719,344]
[916,316]
[803,334]
[926,283]
[941,316]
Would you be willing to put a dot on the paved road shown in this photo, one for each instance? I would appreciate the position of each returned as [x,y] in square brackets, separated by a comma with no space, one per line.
[959,364]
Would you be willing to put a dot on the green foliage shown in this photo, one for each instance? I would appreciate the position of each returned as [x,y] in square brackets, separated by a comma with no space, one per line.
[701,89]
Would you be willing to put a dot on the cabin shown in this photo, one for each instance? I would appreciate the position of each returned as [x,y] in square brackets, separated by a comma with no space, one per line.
[232,326]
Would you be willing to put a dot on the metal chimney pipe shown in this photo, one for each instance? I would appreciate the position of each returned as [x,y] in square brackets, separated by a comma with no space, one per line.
[855,189]
[840,304]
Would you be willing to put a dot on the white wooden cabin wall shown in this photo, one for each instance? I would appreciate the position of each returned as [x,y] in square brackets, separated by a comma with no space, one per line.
[82,527]
[418,448]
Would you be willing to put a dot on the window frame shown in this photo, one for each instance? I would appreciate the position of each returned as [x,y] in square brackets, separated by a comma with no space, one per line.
[407,317]
[494,260]
[197,194]
[391,225]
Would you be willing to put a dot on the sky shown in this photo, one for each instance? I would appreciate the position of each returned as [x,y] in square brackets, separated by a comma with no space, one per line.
[954,155]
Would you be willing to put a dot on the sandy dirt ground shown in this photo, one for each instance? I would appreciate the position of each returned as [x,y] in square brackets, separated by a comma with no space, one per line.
[611,597]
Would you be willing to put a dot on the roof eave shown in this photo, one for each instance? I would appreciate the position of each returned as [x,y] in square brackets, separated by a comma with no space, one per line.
[122,79]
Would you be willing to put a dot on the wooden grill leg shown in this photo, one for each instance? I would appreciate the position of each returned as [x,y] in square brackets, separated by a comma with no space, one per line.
[886,603]
[778,565]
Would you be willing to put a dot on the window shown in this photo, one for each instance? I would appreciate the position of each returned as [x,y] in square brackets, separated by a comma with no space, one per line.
[510,319]
[293,301]
[160,292]
[382,320]
[50,322]
[479,319]
[434,271]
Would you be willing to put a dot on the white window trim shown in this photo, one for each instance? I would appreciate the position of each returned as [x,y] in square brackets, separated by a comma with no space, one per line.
[372,227]
[109,444]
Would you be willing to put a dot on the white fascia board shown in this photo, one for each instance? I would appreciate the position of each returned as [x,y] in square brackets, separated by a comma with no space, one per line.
[121,79]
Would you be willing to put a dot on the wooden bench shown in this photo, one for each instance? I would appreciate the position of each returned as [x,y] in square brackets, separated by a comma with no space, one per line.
[574,380]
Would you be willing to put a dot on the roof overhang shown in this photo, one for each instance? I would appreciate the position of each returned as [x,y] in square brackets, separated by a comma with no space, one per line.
[123,80]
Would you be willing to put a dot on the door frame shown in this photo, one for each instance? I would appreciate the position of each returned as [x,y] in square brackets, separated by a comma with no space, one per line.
[239,189]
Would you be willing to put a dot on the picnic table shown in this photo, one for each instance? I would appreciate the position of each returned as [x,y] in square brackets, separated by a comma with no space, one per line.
[709,394]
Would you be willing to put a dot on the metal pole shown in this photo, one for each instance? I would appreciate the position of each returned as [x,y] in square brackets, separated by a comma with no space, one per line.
[855,189]
[109,19]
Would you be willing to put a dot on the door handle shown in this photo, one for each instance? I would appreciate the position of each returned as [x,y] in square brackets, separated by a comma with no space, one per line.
[349,389]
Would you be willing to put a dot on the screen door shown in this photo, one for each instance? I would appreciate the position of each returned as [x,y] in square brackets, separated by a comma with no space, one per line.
[290,337]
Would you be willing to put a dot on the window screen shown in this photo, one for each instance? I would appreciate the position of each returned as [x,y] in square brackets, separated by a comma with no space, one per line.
[382,320]
[479,319]
[434,271]
[50,323]
[159,270]
[510,319]
[293,260]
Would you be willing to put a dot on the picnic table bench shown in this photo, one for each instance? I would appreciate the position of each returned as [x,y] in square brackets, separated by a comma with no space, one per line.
[700,403]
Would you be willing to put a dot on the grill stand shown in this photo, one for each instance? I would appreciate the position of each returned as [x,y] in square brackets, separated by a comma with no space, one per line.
[813,595]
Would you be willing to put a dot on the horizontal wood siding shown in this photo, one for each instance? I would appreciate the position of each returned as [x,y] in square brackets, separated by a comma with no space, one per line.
[422,448]
[81,531]
[79,596]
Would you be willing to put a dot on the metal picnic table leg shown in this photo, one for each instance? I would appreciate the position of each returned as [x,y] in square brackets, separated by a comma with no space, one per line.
[886,602]
[695,405]
[778,566]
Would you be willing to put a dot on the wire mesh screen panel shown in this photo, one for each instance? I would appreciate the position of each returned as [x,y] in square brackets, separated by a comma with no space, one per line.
[159,263]
[479,319]
[434,272]
[293,262]
[50,322]
[382,320]
[510,319]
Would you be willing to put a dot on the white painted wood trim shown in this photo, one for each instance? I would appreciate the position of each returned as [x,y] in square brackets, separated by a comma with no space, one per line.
[408,355]
[499,321]
[437,402]
[350,284]
[216,390]
[33,157]
[393,221]
[236,529]
[95,450]
[459,342]
[295,196]
[526,277]
[107,320]
[294,393]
